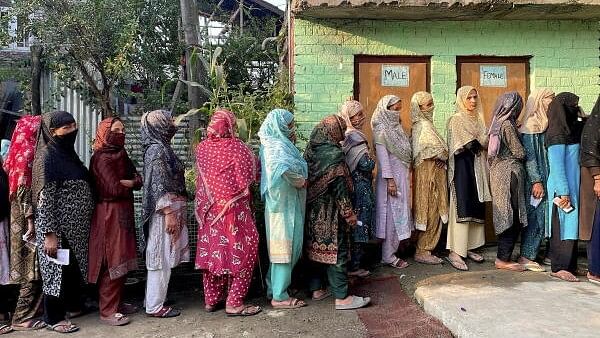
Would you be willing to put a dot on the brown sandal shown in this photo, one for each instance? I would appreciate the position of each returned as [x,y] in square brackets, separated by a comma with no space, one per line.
[290,303]
[245,311]
[118,319]
[165,312]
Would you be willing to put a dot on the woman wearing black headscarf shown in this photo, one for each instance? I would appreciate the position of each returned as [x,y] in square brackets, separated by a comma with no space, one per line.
[589,212]
[63,209]
[563,137]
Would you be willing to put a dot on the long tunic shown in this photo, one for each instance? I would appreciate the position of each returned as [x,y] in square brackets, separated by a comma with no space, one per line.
[505,166]
[363,199]
[23,259]
[65,209]
[112,235]
[564,179]
[399,206]
[588,200]
[536,165]
[4,259]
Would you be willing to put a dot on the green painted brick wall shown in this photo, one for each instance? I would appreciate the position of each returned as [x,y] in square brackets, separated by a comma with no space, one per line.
[565,57]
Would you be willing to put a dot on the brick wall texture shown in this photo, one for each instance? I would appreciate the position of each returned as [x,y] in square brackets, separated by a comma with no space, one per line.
[565,57]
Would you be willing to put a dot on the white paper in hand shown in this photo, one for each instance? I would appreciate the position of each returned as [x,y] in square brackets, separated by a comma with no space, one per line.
[535,201]
[62,257]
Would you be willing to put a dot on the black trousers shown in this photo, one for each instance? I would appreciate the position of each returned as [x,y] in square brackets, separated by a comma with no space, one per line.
[55,308]
[563,253]
[507,239]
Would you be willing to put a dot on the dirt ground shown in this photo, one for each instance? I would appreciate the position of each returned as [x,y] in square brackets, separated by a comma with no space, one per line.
[319,319]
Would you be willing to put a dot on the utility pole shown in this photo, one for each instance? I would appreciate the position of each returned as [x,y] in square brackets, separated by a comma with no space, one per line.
[195,71]
[36,76]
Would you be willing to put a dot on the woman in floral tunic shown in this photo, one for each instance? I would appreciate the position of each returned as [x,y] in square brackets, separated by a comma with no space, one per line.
[24,269]
[227,235]
[63,201]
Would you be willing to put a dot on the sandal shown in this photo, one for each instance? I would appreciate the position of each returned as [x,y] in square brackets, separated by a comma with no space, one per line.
[510,267]
[565,275]
[362,273]
[290,303]
[118,319]
[165,312]
[357,303]
[593,279]
[398,264]
[212,308]
[128,309]
[324,295]
[458,265]
[246,311]
[5,329]
[475,257]
[534,266]
[63,327]
[428,259]
[30,326]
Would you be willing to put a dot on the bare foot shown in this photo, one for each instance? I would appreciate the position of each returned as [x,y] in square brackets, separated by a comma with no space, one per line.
[565,275]
[428,258]
[320,294]
[457,261]
[345,301]
[512,266]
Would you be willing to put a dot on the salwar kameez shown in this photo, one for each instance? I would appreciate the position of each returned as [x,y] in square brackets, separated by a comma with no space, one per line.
[430,204]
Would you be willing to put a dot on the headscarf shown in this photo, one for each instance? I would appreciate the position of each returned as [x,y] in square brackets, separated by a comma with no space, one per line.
[355,144]
[163,171]
[508,107]
[426,141]
[565,122]
[388,131]
[226,167]
[19,160]
[535,116]
[106,140]
[590,139]
[278,154]
[4,147]
[466,126]
[55,157]
[324,156]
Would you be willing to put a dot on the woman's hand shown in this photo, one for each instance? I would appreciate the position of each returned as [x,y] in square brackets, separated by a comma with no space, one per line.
[565,202]
[172,223]
[597,187]
[51,244]
[127,183]
[352,220]
[30,234]
[537,190]
[391,187]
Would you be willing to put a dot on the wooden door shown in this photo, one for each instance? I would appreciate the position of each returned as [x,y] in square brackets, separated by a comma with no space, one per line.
[493,76]
[377,76]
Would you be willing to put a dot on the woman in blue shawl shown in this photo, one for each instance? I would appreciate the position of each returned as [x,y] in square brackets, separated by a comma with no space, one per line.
[283,188]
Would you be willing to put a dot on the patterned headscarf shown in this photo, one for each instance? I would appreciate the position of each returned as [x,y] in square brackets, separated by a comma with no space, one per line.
[535,117]
[226,167]
[157,127]
[324,156]
[277,153]
[466,126]
[508,107]
[388,131]
[19,160]
[355,144]
[349,109]
[426,141]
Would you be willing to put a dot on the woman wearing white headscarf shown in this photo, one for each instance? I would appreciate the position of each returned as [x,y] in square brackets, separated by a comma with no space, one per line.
[468,179]
[533,135]
[392,145]
[430,154]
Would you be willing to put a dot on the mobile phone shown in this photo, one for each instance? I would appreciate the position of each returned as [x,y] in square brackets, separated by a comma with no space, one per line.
[567,210]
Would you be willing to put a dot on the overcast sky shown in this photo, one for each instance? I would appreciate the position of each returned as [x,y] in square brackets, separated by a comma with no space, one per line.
[278,3]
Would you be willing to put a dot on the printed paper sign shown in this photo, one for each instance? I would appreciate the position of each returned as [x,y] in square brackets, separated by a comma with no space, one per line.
[492,76]
[394,76]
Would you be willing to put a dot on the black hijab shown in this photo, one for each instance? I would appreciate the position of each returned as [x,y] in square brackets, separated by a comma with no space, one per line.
[590,139]
[55,157]
[565,121]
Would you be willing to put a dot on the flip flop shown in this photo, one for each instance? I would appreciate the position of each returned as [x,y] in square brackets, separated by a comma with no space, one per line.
[593,279]
[357,303]
[567,278]
[118,319]
[32,325]
[460,266]
[430,260]
[245,311]
[399,264]
[325,295]
[67,327]
[5,329]
[475,257]
[292,303]
[547,261]
[165,312]
[535,267]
